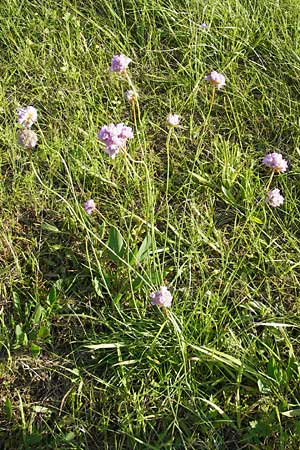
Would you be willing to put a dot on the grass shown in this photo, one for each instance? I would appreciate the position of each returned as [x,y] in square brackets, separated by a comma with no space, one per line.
[86,361]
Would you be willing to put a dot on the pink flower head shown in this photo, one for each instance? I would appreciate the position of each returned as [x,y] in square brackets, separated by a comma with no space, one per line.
[114,137]
[131,96]
[274,198]
[162,297]
[216,79]
[27,138]
[27,116]
[126,132]
[89,206]
[276,162]
[119,63]
[112,150]
[173,120]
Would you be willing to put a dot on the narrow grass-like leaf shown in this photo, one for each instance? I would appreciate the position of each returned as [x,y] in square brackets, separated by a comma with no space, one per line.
[105,346]
[115,243]
[291,413]
[145,249]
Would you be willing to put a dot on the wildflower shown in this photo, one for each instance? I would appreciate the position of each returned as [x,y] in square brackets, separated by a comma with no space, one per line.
[89,206]
[114,137]
[216,79]
[131,96]
[112,150]
[276,162]
[27,138]
[274,198]
[162,297]
[126,132]
[203,25]
[119,63]
[27,116]
[173,120]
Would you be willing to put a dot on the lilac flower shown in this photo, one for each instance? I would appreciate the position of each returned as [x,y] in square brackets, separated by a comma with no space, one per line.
[274,198]
[131,96]
[173,120]
[276,162]
[216,79]
[126,132]
[114,137]
[89,206]
[27,138]
[203,25]
[162,297]
[27,116]
[119,63]
[112,150]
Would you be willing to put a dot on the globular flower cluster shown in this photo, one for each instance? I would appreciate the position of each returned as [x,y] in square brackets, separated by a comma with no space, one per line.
[216,79]
[27,117]
[120,63]
[162,297]
[89,206]
[131,96]
[115,137]
[27,138]
[274,198]
[276,162]
[173,120]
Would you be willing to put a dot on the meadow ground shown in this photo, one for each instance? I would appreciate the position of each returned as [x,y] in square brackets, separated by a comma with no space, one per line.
[86,361]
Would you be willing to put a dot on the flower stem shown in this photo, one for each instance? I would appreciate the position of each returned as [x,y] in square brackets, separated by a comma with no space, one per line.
[167,192]
[270,181]
[136,112]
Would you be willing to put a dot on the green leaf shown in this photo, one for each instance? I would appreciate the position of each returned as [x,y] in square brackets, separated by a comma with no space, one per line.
[69,436]
[201,179]
[116,244]
[117,298]
[58,284]
[51,298]
[25,339]
[53,293]
[43,332]
[8,408]
[145,249]
[17,303]
[137,282]
[97,287]
[19,334]
[35,350]
[272,367]
[228,194]
[48,227]
[291,413]
[39,310]
[263,388]
[256,220]
[41,409]
[75,372]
